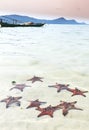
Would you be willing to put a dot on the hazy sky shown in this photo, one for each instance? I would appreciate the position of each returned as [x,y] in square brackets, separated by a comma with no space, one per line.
[50,8]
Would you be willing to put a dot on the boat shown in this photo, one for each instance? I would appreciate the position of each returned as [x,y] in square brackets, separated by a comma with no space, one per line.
[17,23]
[29,24]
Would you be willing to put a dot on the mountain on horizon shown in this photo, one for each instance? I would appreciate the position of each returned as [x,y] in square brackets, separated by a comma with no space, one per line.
[22,19]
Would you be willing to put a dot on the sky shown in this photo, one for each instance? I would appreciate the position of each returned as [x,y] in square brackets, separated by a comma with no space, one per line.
[47,8]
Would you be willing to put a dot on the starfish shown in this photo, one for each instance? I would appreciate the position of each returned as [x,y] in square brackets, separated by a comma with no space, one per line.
[20,86]
[35,103]
[47,110]
[60,86]
[66,106]
[76,91]
[35,78]
[10,100]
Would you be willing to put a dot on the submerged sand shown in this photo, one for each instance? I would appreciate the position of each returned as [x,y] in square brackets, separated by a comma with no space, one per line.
[19,118]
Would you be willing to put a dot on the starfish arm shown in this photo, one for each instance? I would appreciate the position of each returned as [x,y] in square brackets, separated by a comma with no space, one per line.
[78,94]
[30,106]
[4,100]
[73,95]
[39,109]
[37,100]
[52,86]
[78,108]
[13,88]
[43,102]
[18,103]
[33,81]
[67,85]
[12,102]
[70,90]
[29,79]
[7,105]
[51,114]
[58,90]
[36,80]
[65,112]
[45,113]
[41,114]
[83,95]
[40,80]
[17,98]
[21,89]
[72,103]
[27,107]
[85,91]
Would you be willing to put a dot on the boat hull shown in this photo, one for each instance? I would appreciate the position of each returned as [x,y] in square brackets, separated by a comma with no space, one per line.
[21,25]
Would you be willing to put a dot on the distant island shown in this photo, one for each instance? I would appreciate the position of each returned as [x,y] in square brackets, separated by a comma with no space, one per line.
[22,19]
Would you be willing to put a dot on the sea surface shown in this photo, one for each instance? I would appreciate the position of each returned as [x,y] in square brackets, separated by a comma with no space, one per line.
[58,53]
[62,50]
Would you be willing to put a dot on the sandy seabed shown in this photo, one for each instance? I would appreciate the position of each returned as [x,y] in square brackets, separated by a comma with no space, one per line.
[20,118]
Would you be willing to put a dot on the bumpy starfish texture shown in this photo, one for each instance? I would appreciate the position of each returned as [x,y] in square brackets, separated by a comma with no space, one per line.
[11,100]
[35,78]
[66,106]
[60,87]
[35,103]
[47,110]
[76,91]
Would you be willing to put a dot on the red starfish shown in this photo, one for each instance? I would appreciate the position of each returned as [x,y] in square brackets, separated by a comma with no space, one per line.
[35,78]
[10,100]
[77,92]
[66,106]
[20,87]
[35,103]
[60,86]
[47,111]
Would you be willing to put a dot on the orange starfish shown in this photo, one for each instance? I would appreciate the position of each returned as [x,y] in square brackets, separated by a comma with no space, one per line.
[76,91]
[47,110]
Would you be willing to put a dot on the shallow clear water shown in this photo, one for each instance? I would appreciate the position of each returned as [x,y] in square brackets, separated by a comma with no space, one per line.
[60,50]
